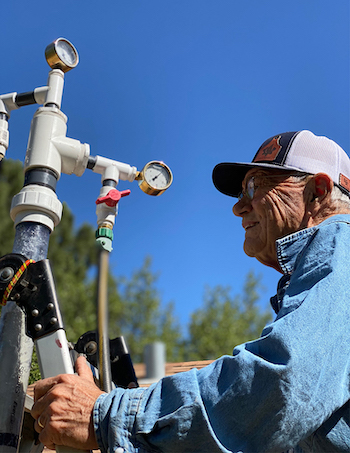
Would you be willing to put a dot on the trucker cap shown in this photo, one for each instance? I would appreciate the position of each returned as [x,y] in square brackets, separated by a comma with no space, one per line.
[291,151]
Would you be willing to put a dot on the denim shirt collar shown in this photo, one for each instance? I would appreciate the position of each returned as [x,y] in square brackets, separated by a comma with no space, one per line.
[288,249]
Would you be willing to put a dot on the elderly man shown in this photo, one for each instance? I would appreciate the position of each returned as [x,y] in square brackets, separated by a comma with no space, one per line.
[289,390]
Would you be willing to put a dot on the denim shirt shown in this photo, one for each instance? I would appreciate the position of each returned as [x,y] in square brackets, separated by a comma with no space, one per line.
[289,390]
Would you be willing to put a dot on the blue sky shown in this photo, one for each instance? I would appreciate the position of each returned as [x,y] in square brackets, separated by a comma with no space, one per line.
[190,82]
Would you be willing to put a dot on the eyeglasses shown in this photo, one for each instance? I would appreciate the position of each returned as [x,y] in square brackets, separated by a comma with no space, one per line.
[251,185]
[249,190]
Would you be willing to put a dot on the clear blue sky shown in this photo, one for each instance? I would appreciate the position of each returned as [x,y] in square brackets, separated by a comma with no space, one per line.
[190,82]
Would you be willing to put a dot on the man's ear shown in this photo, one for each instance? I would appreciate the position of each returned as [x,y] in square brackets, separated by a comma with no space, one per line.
[322,186]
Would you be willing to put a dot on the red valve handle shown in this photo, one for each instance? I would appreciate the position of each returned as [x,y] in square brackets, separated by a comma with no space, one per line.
[112,198]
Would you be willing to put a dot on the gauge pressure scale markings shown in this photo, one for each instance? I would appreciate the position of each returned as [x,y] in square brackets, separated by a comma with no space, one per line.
[155,178]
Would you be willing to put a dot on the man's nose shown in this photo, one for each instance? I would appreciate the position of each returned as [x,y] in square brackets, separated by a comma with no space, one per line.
[242,207]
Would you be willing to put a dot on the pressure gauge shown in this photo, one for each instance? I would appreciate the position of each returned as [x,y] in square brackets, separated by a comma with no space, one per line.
[155,178]
[61,54]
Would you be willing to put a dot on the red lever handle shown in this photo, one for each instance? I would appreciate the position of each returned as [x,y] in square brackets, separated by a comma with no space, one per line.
[112,198]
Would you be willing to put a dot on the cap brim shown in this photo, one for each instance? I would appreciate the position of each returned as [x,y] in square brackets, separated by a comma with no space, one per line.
[228,176]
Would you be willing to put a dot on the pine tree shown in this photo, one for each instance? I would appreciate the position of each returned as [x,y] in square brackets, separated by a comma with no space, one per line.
[11,182]
[226,321]
[143,319]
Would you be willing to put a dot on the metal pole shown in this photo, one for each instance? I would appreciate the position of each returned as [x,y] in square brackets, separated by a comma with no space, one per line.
[16,348]
[102,322]
[154,355]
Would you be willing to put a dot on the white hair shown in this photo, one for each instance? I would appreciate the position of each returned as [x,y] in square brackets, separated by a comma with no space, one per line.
[340,197]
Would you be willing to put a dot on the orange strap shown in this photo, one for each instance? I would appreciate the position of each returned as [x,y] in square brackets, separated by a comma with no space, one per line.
[14,280]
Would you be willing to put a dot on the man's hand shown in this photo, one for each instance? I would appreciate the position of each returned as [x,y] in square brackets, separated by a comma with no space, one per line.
[63,409]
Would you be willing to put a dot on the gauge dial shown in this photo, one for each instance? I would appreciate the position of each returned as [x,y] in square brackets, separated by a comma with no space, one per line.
[155,178]
[61,54]
[66,53]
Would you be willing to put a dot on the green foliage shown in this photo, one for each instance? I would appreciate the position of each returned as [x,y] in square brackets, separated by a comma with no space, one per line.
[11,182]
[72,253]
[143,319]
[34,369]
[134,305]
[135,312]
[225,322]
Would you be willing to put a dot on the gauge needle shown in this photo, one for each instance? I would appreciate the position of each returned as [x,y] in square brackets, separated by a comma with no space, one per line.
[156,176]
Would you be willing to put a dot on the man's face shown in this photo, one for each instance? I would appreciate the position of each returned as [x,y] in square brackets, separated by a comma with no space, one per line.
[277,208]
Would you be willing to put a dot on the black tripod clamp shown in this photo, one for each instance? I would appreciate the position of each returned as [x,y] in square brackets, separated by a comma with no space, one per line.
[31,285]
[122,368]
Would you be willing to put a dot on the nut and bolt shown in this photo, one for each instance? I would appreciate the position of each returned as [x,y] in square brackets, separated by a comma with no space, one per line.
[90,348]
[6,273]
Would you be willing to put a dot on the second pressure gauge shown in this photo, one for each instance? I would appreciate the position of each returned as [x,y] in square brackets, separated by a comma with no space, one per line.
[155,178]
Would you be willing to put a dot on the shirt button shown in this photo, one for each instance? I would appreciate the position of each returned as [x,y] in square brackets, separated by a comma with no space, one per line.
[119,450]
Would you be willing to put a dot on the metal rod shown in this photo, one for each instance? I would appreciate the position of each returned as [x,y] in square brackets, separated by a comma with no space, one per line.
[102,322]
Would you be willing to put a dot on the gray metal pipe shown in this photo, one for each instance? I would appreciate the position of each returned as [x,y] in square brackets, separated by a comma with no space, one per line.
[155,360]
[104,367]
[16,348]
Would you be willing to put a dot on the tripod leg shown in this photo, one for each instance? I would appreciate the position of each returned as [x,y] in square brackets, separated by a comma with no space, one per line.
[15,347]
[54,358]
[15,358]
[53,354]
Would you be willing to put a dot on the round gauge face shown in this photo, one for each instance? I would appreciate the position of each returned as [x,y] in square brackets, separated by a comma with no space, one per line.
[66,52]
[157,175]
[61,54]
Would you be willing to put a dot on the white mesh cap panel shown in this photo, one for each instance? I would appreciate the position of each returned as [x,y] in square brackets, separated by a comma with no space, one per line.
[313,154]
